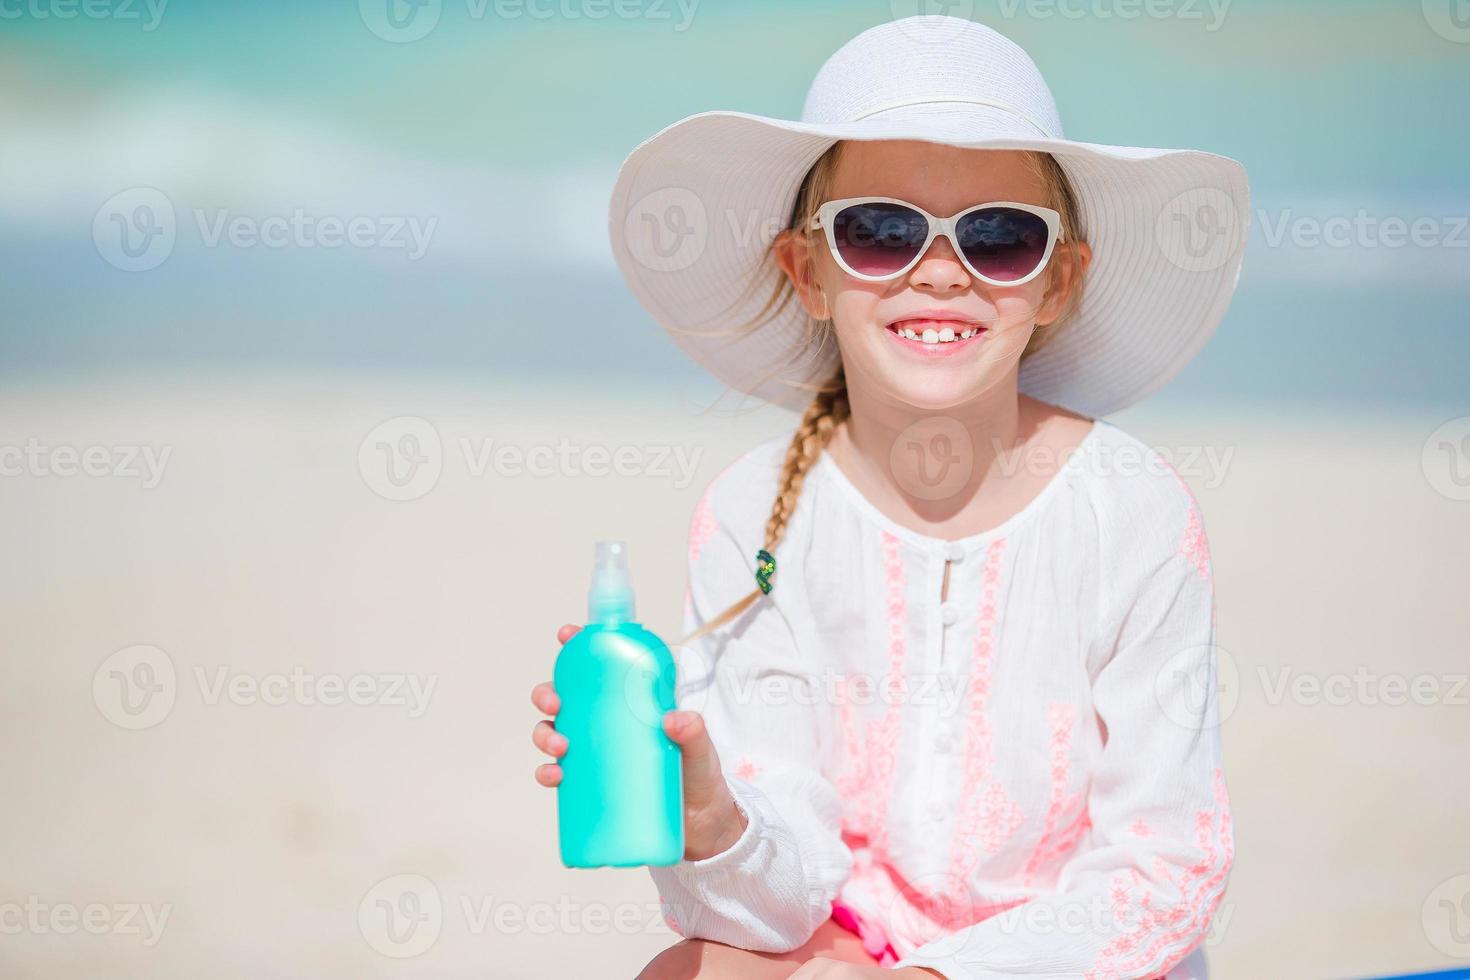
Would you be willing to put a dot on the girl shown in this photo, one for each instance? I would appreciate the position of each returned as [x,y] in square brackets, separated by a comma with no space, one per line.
[946,709]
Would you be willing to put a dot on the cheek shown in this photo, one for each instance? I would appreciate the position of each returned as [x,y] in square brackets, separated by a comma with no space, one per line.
[854,304]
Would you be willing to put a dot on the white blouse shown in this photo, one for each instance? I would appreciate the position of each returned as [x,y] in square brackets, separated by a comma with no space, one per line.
[1021,781]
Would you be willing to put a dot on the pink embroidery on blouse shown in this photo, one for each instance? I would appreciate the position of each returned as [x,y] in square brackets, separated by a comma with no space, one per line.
[874,761]
[1056,840]
[746,769]
[1165,933]
[703,525]
[1193,544]
[987,818]
[1000,817]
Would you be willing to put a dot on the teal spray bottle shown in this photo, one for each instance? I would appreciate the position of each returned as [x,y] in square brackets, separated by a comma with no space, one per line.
[621,798]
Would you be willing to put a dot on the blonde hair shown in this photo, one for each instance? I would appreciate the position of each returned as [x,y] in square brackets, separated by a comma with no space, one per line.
[829,406]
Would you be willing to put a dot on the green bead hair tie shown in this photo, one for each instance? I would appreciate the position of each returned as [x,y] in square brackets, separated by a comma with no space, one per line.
[765,567]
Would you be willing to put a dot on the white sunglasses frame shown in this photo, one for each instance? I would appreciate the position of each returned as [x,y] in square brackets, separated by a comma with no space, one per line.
[937,226]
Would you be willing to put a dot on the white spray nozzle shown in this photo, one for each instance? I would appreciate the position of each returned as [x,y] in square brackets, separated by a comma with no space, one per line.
[610,599]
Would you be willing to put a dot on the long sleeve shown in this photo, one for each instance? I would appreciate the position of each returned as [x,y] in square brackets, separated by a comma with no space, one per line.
[771,889]
[1139,897]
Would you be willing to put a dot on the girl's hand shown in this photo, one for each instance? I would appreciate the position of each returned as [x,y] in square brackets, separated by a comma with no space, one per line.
[821,968]
[712,821]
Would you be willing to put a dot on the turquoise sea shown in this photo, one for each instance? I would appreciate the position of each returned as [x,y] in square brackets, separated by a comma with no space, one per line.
[500,128]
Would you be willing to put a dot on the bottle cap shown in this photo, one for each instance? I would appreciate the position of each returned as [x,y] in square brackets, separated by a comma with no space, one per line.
[610,599]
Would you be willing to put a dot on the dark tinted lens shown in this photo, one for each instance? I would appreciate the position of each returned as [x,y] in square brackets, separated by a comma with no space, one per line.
[879,239]
[1005,244]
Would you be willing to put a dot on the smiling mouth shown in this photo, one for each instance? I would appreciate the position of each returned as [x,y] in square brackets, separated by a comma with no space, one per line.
[935,332]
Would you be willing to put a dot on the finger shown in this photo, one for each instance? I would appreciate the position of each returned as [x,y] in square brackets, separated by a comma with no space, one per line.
[684,727]
[567,632]
[701,762]
[548,739]
[544,696]
[548,774]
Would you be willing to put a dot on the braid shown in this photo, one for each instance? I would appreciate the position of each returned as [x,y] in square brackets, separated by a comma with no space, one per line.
[826,411]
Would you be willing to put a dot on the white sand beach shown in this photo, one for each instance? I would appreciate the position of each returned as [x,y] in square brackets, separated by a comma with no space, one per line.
[348,697]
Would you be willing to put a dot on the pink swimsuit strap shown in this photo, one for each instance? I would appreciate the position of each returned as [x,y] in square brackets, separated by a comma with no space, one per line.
[875,940]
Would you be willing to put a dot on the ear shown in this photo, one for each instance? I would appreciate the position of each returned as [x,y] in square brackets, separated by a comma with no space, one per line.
[1066,274]
[797,258]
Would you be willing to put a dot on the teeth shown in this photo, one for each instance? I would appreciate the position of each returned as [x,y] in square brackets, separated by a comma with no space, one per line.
[932,336]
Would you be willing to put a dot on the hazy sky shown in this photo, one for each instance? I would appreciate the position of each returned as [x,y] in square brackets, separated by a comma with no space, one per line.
[494,137]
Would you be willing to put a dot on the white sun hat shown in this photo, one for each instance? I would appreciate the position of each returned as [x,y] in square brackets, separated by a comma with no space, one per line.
[696,206]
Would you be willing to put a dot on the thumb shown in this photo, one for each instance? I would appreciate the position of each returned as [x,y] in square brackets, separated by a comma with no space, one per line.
[704,782]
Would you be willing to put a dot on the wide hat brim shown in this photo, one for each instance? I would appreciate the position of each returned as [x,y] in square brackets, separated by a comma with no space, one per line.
[696,206]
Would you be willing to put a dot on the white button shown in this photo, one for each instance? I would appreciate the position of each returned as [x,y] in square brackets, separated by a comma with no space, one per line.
[942,743]
[956,552]
[948,613]
[936,811]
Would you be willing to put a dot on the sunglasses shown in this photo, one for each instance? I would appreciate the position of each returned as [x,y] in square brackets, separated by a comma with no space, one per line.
[879,238]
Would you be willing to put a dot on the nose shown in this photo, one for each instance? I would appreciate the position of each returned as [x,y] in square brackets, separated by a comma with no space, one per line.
[940,269]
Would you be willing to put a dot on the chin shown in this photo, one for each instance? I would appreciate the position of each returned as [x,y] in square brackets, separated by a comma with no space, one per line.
[939,388]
